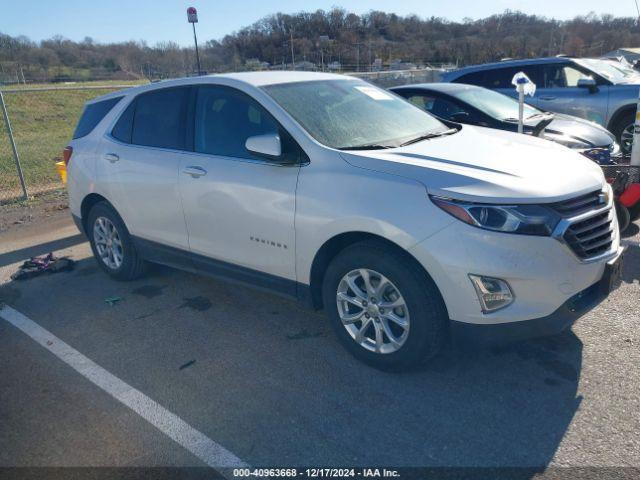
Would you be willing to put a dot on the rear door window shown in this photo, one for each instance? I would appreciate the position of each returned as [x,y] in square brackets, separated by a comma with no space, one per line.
[500,77]
[92,115]
[160,118]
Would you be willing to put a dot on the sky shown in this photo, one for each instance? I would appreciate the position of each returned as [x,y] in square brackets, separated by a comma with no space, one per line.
[165,20]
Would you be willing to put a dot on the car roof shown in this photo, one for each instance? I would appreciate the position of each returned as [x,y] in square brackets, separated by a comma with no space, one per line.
[504,64]
[440,87]
[254,79]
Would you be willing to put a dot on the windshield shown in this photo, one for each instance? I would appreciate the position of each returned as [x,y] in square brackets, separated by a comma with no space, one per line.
[348,113]
[606,70]
[495,104]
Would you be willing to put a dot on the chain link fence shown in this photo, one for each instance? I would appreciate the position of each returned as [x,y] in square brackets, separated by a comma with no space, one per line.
[43,119]
[393,78]
[42,122]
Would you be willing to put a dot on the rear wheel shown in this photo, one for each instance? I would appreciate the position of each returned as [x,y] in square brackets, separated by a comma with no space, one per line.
[111,243]
[384,309]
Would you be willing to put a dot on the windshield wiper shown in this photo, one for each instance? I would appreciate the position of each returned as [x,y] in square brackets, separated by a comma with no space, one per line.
[372,146]
[428,136]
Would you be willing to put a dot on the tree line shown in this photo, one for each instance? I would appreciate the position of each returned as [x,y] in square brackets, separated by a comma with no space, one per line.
[334,39]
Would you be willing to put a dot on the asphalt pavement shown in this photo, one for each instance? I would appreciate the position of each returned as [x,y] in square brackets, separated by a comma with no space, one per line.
[266,379]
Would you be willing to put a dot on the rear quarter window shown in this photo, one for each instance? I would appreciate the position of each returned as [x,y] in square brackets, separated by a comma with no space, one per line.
[92,114]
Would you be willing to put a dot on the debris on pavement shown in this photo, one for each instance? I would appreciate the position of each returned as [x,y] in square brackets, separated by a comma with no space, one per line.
[187,365]
[113,300]
[46,264]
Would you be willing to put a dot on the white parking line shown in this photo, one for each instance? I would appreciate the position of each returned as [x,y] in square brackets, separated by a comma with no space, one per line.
[174,427]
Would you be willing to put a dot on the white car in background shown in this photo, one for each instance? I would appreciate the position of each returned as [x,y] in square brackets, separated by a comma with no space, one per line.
[332,191]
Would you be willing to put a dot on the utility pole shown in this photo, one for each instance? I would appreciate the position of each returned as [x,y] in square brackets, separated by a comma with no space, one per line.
[357,55]
[192,18]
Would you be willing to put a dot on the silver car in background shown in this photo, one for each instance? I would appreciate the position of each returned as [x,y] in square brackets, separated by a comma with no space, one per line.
[593,89]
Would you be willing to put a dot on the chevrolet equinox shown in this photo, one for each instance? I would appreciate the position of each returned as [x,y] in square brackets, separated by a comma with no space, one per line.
[405,230]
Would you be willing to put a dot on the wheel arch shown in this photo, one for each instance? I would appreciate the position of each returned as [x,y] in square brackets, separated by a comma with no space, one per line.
[87,204]
[333,246]
[621,112]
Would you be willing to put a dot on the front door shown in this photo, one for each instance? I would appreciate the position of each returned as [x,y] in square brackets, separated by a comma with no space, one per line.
[239,208]
[560,93]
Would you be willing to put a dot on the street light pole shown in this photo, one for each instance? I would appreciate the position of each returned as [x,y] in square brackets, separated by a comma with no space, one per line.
[195,40]
[192,18]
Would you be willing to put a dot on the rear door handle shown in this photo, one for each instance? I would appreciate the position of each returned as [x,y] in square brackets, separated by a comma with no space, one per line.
[194,172]
[111,157]
[547,98]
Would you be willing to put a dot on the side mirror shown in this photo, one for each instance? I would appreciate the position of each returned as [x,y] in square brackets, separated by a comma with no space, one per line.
[460,117]
[588,83]
[267,145]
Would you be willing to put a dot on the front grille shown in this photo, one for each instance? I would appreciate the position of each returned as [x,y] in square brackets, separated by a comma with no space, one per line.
[578,205]
[589,229]
[591,237]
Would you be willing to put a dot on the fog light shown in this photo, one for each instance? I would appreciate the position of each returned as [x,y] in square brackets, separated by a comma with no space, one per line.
[493,293]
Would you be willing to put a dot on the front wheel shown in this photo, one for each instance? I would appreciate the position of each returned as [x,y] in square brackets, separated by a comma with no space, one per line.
[623,131]
[383,307]
[624,217]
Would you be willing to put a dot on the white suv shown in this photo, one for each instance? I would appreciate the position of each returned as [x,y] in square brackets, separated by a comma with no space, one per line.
[332,191]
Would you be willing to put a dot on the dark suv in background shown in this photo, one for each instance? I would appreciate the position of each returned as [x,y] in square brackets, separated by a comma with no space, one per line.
[588,88]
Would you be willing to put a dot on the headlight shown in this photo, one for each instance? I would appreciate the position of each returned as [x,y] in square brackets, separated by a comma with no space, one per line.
[614,148]
[564,140]
[522,219]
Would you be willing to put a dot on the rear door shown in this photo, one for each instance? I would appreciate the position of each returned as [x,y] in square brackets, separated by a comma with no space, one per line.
[139,162]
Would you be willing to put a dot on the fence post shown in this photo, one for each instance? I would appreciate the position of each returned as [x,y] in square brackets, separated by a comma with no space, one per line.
[13,146]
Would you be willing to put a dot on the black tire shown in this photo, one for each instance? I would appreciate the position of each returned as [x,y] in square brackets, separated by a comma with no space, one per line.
[624,217]
[132,265]
[634,212]
[618,128]
[428,315]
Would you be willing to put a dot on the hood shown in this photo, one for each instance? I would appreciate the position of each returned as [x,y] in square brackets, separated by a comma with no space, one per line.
[485,165]
[578,129]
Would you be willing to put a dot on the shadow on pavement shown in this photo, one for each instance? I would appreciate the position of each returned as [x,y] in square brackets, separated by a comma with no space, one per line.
[33,251]
[631,267]
[276,396]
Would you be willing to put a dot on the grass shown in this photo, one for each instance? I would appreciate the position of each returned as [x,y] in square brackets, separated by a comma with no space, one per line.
[43,123]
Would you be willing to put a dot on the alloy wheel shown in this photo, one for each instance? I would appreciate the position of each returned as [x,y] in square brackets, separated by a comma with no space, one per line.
[626,138]
[373,311]
[108,243]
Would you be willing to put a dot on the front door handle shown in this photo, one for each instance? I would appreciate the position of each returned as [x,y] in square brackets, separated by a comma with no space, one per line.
[111,157]
[547,98]
[194,172]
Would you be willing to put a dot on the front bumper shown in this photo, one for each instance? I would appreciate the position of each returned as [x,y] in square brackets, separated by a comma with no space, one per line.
[470,334]
[542,272]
